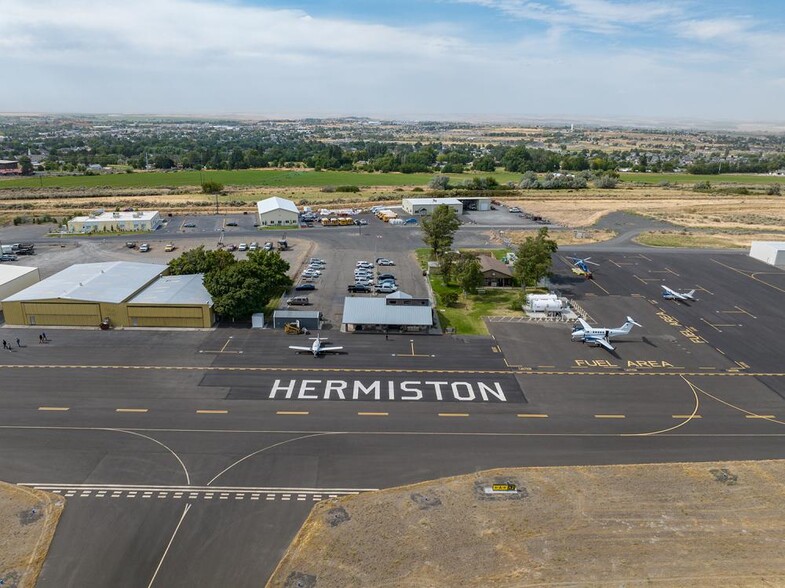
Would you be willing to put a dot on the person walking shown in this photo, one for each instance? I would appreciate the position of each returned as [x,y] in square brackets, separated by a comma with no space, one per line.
[44,337]
[18,342]
[40,338]
[5,345]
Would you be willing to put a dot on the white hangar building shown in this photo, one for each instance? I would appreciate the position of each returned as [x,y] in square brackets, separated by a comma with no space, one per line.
[771,252]
[277,212]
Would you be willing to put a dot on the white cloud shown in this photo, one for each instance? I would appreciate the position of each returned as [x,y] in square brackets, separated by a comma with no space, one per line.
[711,29]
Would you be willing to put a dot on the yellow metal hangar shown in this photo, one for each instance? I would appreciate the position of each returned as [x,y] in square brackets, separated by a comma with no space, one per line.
[128,294]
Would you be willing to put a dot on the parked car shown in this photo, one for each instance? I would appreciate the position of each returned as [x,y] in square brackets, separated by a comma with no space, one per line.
[301,287]
[243,247]
[268,246]
[360,221]
[386,289]
[364,264]
[298,301]
[130,244]
[231,224]
[8,257]
[382,277]
[410,221]
[317,260]
[144,248]
[189,225]
[169,247]
[359,288]
[231,247]
[253,246]
[514,209]
[384,261]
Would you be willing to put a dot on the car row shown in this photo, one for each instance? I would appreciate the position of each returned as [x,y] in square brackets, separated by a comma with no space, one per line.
[311,273]
[367,279]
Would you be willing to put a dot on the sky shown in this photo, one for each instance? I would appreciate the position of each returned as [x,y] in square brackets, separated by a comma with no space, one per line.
[491,60]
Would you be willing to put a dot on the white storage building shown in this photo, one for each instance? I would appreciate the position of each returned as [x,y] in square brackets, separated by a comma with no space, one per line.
[771,252]
[426,206]
[277,212]
[148,220]
[15,278]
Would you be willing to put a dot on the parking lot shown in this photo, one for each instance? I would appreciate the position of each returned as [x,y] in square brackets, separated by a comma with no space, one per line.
[342,247]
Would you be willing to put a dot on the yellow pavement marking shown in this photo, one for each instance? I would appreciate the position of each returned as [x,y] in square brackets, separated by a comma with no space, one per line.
[600,287]
[546,366]
[212,411]
[373,414]
[686,416]
[453,414]
[292,412]
[527,415]
[131,410]
[759,416]
[54,408]
[610,416]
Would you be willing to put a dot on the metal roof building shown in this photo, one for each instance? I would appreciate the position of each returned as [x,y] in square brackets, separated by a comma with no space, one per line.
[172,301]
[14,278]
[771,252]
[88,294]
[277,211]
[425,206]
[140,220]
[395,311]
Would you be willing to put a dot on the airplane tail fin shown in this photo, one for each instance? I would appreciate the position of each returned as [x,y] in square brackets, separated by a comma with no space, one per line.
[690,294]
[627,327]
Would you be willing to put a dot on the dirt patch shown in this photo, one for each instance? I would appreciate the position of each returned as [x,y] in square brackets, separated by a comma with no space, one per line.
[28,519]
[704,524]
[562,237]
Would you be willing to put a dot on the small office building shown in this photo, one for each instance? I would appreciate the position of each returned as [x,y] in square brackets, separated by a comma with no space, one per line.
[397,311]
[277,212]
[307,319]
[14,278]
[494,272]
[100,221]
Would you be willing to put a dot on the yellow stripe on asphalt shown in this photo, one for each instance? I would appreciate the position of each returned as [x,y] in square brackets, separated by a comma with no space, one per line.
[453,414]
[609,416]
[532,416]
[686,416]
[131,410]
[759,416]
[292,412]
[54,408]
[212,411]
[373,414]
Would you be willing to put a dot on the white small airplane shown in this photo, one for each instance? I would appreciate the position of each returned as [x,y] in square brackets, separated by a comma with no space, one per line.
[669,294]
[596,336]
[316,348]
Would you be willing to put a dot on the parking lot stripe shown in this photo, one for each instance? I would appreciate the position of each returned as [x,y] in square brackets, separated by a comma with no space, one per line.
[292,412]
[532,416]
[373,414]
[130,410]
[54,408]
[212,412]
[453,414]
[610,416]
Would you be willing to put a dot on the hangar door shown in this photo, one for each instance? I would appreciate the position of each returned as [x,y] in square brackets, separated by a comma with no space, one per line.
[166,316]
[66,314]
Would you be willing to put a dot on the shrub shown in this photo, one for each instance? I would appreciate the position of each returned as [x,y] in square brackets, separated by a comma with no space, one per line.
[211,187]
[347,189]
[328,189]
[449,298]
[773,190]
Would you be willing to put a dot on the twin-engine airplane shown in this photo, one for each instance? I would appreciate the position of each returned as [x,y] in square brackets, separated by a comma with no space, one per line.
[600,337]
[316,348]
[670,294]
[581,266]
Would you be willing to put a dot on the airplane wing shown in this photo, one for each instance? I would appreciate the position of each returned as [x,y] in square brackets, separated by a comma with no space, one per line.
[673,293]
[323,349]
[296,348]
[602,341]
[584,325]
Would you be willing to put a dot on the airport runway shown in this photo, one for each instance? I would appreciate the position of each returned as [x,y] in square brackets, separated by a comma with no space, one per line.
[191,458]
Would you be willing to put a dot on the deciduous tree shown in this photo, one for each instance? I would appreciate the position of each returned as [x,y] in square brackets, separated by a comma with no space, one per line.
[439,229]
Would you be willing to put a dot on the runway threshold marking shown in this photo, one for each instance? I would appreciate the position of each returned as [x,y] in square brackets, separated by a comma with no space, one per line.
[54,408]
[205,411]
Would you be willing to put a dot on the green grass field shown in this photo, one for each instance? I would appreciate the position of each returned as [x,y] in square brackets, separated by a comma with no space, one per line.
[692,179]
[250,177]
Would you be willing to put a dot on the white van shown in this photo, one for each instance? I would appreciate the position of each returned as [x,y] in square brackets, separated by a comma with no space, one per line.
[298,301]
